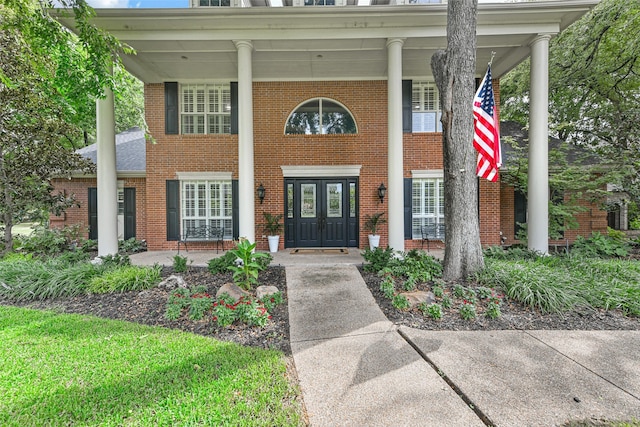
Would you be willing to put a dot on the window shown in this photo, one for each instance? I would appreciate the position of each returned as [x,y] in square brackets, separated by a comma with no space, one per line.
[427,205]
[319,2]
[320,116]
[207,203]
[205,109]
[425,107]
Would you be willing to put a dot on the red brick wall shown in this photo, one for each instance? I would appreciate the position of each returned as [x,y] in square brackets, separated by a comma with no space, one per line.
[274,101]
[80,214]
[591,220]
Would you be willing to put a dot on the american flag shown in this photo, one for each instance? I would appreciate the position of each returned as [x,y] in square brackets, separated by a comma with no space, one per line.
[486,139]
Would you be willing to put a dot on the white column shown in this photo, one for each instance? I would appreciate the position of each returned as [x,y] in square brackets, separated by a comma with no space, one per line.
[246,187]
[538,178]
[395,186]
[106,176]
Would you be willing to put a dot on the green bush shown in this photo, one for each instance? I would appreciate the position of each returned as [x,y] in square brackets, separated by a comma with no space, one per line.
[131,245]
[377,259]
[221,264]
[400,302]
[246,274]
[179,263]
[128,278]
[416,266]
[601,246]
[116,260]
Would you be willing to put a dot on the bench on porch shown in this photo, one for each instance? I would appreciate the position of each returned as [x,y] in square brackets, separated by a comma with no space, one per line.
[432,232]
[202,233]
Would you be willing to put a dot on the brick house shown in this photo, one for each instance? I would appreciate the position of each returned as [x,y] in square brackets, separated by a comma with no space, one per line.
[319,106]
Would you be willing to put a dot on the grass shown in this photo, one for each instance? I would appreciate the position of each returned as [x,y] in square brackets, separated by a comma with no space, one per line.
[62,370]
[555,284]
[23,229]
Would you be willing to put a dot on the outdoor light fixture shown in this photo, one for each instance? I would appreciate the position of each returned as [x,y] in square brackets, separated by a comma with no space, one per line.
[382,191]
[260,192]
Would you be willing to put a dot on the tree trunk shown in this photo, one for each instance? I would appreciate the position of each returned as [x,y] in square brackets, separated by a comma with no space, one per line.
[454,72]
[7,216]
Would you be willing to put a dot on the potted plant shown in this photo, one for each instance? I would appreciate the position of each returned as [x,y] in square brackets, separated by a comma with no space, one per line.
[272,226]
[372,222]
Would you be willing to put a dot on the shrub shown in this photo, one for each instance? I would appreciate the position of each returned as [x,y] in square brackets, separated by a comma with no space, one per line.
[116,260]
[417,266]
[132,245]
[400,302]
[467,311]
[493,310]
[377,259]
[600,246]
[128,278]
[446,302]
[388,287]
[434,310]
[437,290]
[221,264]
[179,263]
[246,274]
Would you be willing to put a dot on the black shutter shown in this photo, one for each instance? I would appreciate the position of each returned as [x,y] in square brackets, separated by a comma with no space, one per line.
[171,108]
[234,108]
[235,209]
[93,213]
[173,210]
[407,112]
[408,217]
[129,213]
[519,210]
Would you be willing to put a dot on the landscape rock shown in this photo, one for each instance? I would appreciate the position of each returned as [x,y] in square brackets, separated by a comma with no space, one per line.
[233,290]
[172,282]
[418,297]
[265,291]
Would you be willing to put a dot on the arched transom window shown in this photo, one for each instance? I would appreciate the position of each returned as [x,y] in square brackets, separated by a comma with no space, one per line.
[320,116]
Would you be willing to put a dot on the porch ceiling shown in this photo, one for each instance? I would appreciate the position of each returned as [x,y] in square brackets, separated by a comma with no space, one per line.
[337,43]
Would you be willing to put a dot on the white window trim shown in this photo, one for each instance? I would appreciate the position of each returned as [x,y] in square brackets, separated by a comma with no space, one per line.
[203,176]
[431,173]
[320,171]
[207,217]
[426,174]
[206,113]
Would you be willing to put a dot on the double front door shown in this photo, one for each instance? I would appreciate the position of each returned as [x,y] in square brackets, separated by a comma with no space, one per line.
[321,212]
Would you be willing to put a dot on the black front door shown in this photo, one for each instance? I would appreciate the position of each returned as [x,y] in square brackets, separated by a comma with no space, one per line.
[321,213]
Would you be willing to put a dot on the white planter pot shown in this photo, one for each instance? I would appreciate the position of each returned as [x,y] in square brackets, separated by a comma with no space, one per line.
[274,241]
[374,241]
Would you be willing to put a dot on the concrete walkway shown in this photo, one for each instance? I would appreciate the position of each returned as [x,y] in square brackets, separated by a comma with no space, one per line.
[357,369]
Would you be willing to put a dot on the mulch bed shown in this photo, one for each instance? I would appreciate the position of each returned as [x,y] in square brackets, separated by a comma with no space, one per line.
[148,307]
[514,316]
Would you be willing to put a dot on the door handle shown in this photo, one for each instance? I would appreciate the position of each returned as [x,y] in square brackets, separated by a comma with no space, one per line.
[321,222]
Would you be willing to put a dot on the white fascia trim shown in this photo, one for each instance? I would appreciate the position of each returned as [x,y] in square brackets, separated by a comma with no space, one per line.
[432,173]
[320,171]
[204,176]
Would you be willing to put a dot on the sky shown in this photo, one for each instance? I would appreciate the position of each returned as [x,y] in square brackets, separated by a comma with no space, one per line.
[102,4]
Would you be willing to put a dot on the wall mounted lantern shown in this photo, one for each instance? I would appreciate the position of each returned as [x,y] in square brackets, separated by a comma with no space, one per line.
[382,191]
[260,192]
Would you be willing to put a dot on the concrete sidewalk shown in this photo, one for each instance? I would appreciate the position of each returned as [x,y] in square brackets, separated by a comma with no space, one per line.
[356,369]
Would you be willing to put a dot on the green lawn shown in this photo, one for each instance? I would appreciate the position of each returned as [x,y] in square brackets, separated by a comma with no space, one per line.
[62,370]
[24,228]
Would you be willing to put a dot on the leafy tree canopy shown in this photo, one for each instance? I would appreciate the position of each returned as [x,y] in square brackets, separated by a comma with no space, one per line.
[594,89]
[49,80]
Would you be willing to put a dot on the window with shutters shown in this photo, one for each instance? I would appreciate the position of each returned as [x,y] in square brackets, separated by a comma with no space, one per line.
[427,204]
[205,109]
[207,203]
[425,107]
